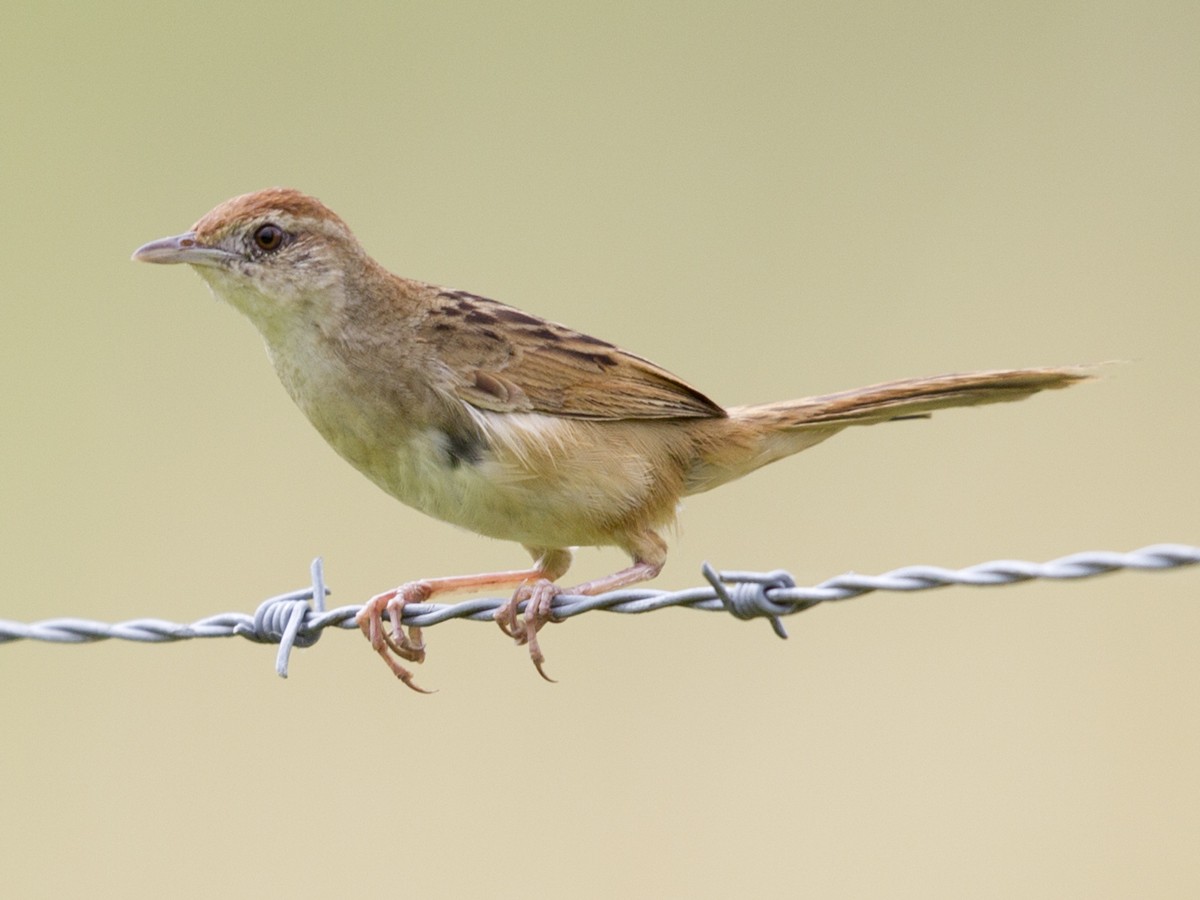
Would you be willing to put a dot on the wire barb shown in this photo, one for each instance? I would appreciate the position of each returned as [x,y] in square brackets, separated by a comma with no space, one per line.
[297,618]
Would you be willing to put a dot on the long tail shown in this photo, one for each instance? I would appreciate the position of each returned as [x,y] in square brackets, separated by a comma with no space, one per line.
[913,397]
[762,434]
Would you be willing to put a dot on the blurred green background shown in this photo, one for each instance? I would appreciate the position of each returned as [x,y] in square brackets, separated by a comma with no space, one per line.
[771,200]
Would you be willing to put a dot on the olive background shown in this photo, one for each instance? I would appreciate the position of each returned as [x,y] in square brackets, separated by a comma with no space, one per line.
[771,200]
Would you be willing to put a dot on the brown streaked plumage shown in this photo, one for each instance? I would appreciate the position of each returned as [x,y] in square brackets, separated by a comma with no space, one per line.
[499,421]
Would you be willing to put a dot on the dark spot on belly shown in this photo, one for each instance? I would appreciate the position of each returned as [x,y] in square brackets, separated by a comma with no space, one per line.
[462,447]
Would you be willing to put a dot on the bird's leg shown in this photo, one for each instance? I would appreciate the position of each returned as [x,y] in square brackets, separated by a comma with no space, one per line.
[394,643]
[550,564]
[649,553]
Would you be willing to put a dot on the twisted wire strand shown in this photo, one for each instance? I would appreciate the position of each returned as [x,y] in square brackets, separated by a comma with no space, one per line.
[297,618]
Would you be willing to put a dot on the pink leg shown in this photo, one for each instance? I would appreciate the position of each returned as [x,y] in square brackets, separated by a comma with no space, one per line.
[550,566]
[649,555]
[395,643]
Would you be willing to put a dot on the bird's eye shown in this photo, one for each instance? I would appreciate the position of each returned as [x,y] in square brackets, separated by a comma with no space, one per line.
[268,237]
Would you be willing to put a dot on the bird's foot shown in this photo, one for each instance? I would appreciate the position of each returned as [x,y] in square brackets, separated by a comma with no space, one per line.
[538,597]
[396,644]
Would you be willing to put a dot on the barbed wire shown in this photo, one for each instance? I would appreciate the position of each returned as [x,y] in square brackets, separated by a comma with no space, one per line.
[297,618]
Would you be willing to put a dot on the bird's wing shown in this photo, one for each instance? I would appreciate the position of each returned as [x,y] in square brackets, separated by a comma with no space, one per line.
[506,360]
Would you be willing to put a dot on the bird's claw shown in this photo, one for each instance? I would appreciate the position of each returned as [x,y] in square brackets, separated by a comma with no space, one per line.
[393,643]
[538,597]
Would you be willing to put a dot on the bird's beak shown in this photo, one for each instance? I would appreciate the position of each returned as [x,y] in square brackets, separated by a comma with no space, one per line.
[183,248]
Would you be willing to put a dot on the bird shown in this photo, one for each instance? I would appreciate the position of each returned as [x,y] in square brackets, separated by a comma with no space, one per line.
[500,421]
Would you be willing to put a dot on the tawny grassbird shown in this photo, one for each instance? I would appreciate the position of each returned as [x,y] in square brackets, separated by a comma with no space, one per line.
[499,421]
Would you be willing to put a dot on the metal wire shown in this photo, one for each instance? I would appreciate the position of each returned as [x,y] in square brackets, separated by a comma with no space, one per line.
[297,618]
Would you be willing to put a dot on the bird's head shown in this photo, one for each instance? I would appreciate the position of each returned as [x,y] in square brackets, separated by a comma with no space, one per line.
[278,255]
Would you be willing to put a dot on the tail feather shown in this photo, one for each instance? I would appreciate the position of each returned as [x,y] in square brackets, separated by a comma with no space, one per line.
[754,436]
[912,397]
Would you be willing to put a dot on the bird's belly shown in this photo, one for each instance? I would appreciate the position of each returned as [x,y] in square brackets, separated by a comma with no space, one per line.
[523,485]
